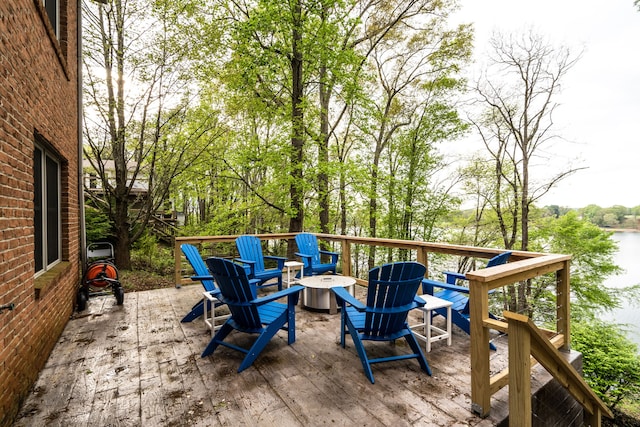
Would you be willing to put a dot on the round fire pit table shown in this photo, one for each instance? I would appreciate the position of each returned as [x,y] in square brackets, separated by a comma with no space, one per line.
[317,293]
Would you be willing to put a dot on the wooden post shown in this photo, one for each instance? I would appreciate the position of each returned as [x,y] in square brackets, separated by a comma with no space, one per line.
[593,420]
[519,371]
[346,258]
[480,374]
[422,256]
[177,253]
[563,325]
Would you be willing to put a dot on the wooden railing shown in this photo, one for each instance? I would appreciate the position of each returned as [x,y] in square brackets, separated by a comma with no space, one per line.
[421,249]
[522,266]
[528,345]
[483,386]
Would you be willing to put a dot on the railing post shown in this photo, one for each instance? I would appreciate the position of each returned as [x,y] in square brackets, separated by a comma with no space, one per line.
[519,371]
[563,325]
[178,264]
[422,256]
[480,374]
[346,258]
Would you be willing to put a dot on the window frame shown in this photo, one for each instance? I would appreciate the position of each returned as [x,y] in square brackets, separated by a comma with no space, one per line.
[52,7]
[47,217]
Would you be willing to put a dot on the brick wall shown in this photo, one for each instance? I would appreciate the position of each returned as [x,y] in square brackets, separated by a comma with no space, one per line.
[38,94]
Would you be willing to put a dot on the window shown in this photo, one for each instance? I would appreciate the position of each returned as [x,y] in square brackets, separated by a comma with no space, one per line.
[47,215]
[52,8]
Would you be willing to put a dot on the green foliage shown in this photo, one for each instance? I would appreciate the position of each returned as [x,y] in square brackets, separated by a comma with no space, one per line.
[150,256]
[592,258]
[97,224]
[614,217]
[611,364]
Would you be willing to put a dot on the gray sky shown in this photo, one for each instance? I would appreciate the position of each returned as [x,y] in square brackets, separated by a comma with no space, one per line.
[599,115]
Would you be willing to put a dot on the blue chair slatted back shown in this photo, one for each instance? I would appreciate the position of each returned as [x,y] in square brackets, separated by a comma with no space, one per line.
[499,259]
[197,263]
[237,293]
[461,301]
[308,244]
[249,248]
[391,292]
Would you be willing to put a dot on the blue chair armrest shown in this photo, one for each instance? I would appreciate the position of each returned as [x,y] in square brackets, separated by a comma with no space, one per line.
[343,295]
[200,278]
[306,259]
[428,285]
[334,256]
[419,301]
[452,276]
[294,290]
[280,260]
[215,293]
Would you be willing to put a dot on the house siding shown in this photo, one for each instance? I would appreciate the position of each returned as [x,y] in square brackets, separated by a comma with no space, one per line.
[38,96]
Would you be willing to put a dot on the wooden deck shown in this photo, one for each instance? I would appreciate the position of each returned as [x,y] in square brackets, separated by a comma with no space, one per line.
[137,365]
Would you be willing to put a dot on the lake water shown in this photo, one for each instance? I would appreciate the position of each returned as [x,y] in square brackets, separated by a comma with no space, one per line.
[627,259]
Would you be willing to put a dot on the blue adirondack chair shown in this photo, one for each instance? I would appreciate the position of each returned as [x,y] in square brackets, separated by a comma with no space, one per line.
[390,295]
[262,316]
[458,295]
[250,251]
[310,253]
[202,275]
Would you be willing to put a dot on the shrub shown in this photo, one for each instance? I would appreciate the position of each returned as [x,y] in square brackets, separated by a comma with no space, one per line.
[611,364]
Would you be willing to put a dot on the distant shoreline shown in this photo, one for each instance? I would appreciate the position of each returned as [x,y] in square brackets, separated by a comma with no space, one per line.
[621,230]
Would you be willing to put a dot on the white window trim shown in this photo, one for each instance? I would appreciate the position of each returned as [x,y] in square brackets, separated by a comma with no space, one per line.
[48,154]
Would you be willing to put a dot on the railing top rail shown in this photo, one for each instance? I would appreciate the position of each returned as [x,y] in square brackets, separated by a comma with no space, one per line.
[520,270]
[443,248]
[232,237]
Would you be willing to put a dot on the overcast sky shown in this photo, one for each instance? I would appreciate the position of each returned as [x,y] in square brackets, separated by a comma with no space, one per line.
[599,115]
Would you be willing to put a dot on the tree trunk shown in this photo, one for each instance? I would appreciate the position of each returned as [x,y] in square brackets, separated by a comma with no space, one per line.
[122,242]
[323,142]
[323,153]
[297,121]
[373,208]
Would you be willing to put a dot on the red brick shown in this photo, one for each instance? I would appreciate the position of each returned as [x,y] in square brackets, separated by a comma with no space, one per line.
[38,91]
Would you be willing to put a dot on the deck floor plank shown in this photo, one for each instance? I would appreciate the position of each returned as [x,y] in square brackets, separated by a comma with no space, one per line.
[137,365]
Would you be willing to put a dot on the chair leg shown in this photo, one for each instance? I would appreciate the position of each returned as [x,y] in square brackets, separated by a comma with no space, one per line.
[196,311]
[342,324]
[222,333]
[260,343]
[415,347]
[462,322]
[357,342]
[291,322]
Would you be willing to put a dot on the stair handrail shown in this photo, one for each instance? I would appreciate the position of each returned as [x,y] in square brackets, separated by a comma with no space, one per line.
[526,340]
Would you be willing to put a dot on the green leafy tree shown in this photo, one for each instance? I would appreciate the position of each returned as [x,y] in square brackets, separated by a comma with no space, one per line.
[593,214]
[97,225]
[294,75]
[408,112]
[518,92]
[139,130]
[611,364]
[592,253]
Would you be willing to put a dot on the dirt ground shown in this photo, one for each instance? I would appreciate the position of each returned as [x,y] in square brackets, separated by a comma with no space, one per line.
[138,280]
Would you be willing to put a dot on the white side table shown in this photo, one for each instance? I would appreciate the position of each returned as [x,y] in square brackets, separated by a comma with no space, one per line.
[292,267]
[210,316]
[427,328]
